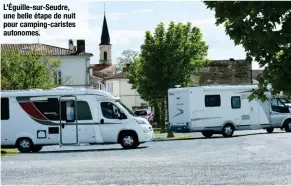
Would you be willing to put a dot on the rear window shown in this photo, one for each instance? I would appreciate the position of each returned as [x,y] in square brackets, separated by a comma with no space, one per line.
[140,113]
[5,109]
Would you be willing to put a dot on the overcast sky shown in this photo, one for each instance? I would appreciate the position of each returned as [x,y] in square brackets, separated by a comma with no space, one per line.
[127,22]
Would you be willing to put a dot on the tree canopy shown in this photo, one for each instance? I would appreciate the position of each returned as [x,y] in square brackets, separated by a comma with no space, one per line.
[27,71]
[263,28]
[128,57]
[168,57]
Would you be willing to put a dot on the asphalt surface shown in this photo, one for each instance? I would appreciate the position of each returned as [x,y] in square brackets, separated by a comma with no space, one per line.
[247,158]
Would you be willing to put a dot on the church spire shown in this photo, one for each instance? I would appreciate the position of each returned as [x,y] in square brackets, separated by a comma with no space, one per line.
[105,38]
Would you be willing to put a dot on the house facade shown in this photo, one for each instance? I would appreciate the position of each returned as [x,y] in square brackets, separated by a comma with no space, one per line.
[74,61]
[119,86]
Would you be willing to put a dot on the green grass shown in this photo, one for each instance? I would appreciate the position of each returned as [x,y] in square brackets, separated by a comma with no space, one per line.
[158,131]
[9,152]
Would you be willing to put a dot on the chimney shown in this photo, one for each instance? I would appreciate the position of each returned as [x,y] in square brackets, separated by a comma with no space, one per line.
[71,44]
[80,46]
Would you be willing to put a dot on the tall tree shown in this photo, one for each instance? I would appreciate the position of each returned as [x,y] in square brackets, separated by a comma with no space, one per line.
[27,71]
[263,29]
[168,58]
[128,57]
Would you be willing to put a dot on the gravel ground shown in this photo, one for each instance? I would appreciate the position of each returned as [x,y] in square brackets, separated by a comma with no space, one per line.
[247,158]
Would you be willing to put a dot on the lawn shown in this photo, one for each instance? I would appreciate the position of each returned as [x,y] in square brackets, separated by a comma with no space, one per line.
[9,152]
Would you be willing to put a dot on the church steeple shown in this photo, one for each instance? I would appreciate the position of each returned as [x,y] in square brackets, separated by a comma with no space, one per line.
[105,46]
[105,38]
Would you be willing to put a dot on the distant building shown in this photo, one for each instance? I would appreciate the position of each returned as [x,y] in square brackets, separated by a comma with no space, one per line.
[224,72]
[74,61]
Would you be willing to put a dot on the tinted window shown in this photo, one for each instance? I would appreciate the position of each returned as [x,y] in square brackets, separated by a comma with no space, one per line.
[84,112]
[5,109]
[51,110]
[109,110]
[212,101]
[235,102]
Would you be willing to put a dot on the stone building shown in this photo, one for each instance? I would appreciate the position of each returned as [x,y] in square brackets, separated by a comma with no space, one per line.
[224,72]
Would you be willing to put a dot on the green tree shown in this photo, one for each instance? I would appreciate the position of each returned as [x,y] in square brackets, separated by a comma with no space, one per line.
[168,58]
[27,71]
[128,57]
[263,29]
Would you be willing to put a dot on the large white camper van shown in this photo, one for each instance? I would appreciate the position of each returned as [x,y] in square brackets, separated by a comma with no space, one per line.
[31,119]
[223,109]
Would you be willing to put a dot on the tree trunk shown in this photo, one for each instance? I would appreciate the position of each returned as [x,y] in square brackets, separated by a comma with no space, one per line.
[170,134]
[163,121]
[157,114]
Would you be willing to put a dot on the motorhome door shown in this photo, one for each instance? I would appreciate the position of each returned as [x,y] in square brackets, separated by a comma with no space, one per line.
[68,120]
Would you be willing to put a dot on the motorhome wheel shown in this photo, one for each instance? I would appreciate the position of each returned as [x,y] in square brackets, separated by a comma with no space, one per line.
[207,134]
[288,126]
[129,141]
[227,130]
[270,130]
[24,145]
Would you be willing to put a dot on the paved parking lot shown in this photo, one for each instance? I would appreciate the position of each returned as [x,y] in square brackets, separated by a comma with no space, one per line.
[247,158]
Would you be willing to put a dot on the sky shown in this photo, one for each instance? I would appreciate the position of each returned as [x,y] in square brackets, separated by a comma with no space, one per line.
[127,22]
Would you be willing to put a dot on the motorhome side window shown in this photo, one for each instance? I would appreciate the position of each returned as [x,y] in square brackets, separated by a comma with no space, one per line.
[235,102]
[51,109]
[109,110]
[5,109]
[83,109]
[278,106]
[212,101]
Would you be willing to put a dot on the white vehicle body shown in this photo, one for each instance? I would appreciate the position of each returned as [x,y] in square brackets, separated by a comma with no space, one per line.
[223,109]
[68,117]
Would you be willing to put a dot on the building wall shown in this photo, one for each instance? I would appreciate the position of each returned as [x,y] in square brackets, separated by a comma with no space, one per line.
[122,89]
[74,70]
[225,72]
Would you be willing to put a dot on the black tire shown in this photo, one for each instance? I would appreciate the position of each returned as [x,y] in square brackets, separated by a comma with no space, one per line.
[270,130]
[287,126]
[129,141]
[24,145]
[207,134]
[227,130]
[36,148]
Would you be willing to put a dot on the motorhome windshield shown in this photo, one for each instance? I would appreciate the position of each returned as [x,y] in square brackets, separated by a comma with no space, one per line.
[124,106]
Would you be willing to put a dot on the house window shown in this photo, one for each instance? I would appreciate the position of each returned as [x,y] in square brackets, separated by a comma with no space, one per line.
[212,101]
[5,114]
[110,87]
[105,55]
[235,102]
[58,77]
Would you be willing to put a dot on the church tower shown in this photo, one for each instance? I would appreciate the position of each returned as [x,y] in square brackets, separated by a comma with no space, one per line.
[105,46]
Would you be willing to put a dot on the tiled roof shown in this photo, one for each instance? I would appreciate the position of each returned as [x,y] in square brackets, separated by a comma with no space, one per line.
[120,75]
[42,49]
[100,74]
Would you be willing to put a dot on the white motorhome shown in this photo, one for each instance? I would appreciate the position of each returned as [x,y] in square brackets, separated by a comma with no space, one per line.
[31,119]
[224,109]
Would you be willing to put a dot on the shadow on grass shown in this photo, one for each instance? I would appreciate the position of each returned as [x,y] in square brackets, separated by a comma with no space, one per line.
[9,152]
[213,137]
[84,150]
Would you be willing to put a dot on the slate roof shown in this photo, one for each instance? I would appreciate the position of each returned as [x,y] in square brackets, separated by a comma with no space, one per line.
[105,38]
[42,49]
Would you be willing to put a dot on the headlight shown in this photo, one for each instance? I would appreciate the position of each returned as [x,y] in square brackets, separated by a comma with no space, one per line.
[140,121]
